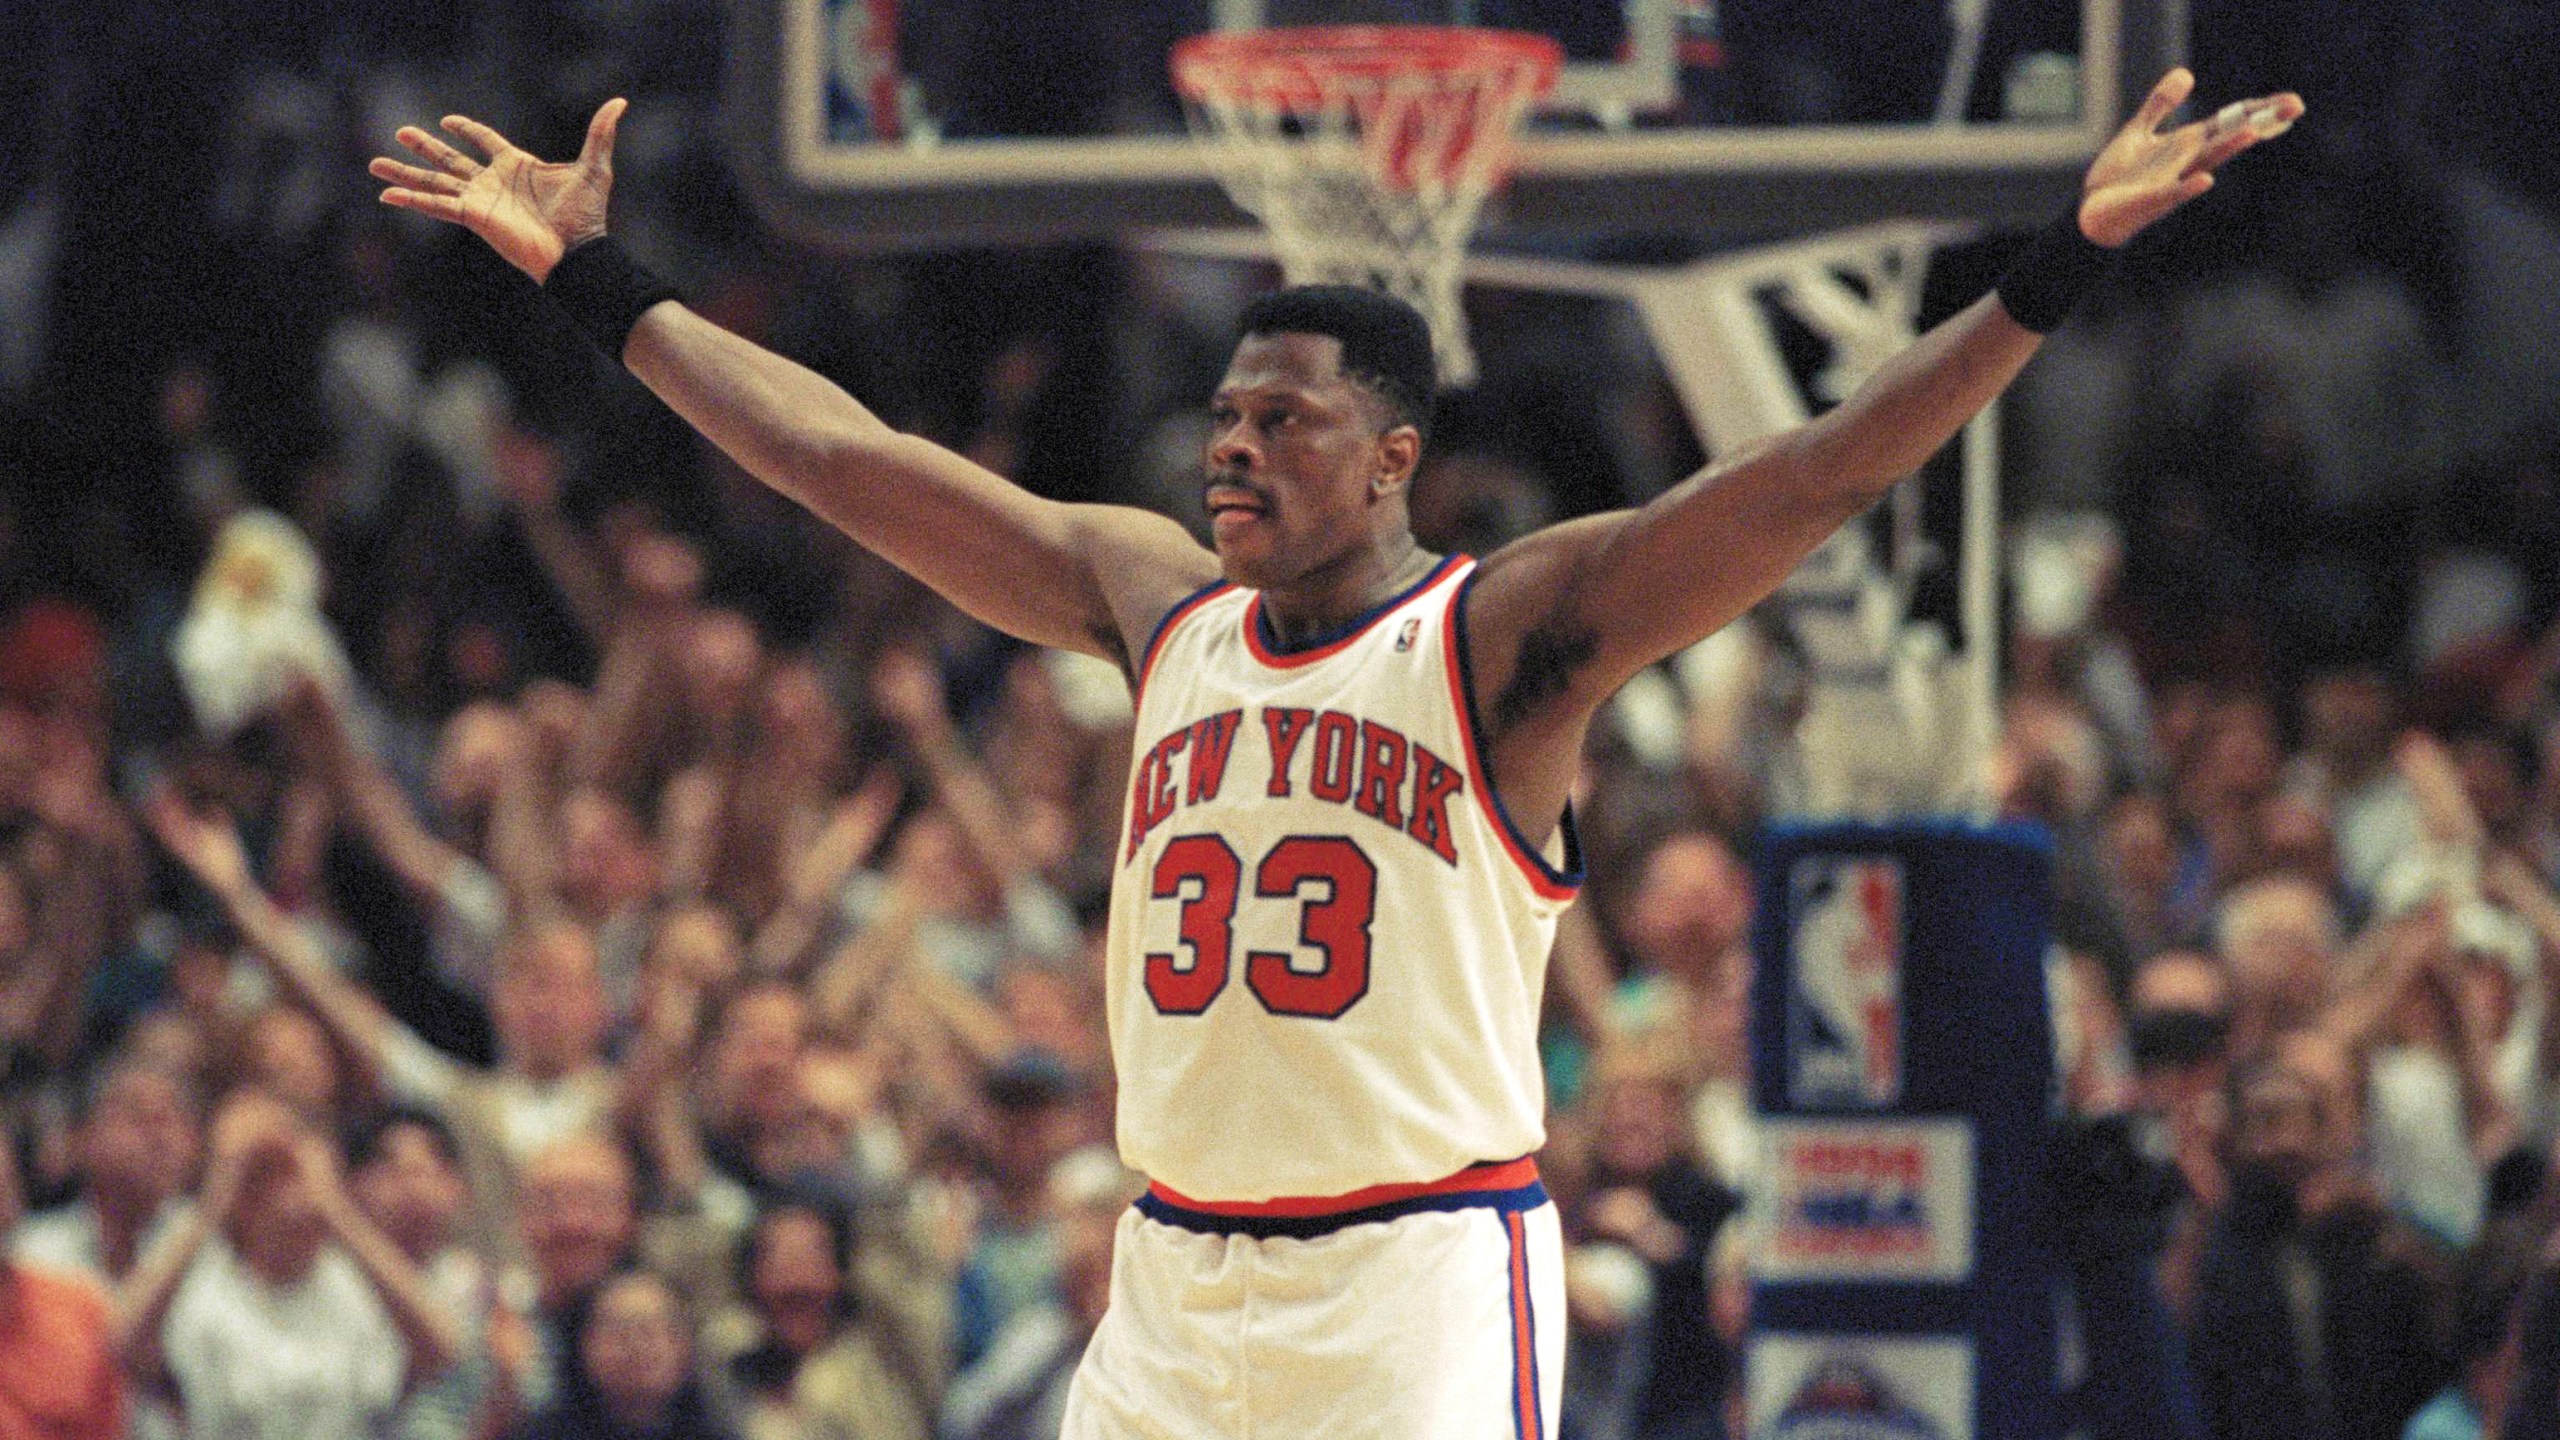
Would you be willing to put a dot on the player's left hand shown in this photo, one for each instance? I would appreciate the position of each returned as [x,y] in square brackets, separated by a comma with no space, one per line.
[528,211]
[2145,172]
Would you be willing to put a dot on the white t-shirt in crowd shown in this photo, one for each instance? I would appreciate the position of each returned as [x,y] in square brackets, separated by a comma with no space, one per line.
[318,1359]
[2421,1144]
[524,1116]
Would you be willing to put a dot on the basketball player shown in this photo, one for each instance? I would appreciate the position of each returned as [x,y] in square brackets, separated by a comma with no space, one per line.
[1347,840]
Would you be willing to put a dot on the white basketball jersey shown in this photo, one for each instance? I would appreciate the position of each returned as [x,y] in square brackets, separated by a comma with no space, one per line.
[1327,942]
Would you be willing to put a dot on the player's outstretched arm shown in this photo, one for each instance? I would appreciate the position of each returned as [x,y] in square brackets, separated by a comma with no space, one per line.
[1561,619]
[1089,578]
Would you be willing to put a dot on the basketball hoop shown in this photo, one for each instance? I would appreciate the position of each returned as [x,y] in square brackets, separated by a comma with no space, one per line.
[1367,151]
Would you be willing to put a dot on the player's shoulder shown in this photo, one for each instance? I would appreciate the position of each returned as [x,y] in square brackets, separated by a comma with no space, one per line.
[1146,564]
[1527,579]
[1128,543]
[1540,553]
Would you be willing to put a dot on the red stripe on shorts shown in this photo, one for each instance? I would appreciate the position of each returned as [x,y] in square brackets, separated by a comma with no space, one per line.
[1527,1422]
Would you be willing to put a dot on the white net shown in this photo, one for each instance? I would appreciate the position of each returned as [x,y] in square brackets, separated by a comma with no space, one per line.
[1368,152]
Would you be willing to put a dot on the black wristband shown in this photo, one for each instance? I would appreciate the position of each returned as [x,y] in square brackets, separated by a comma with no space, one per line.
[2057,271]
[604,292]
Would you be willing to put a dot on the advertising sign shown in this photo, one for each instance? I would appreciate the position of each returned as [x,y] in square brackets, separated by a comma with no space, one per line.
[1865,1200]
[1859,1387]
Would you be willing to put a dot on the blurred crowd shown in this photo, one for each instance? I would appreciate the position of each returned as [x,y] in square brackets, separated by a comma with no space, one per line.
[634,972]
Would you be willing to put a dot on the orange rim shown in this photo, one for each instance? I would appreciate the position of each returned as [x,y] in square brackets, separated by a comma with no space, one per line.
[1290,65]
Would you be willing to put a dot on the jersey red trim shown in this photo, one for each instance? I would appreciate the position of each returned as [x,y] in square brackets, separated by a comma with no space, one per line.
[1164,631]
[1495,1175]
[1542,876]
[1292,659]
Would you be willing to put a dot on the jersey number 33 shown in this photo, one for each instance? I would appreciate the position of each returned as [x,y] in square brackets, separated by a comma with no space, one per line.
[1332,881]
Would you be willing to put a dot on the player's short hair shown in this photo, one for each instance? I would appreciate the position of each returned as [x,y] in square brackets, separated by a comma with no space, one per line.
[1386,344]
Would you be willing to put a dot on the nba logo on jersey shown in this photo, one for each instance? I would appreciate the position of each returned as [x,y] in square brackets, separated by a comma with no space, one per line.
[1844,996]
[1406,636]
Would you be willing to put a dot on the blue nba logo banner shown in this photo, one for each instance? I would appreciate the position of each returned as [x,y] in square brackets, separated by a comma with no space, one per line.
[1905,1263]
[1844,1002]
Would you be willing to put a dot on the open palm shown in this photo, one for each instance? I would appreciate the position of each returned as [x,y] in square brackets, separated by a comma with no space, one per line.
[2145,172]
[530,211]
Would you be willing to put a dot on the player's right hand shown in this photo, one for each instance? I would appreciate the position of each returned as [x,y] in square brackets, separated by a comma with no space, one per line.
[530,211]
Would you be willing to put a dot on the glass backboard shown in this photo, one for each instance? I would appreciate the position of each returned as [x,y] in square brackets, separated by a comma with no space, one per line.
[885,123]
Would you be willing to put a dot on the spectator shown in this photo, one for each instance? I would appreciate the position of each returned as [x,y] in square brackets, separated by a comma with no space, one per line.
[806,1358]
[70,877]
[286,1053]
[2533,1405]
[2443,1117]
[607,884]
[2138,858]
[278,1309]
[1018,1389]
[1689,926]
[2293,840]
[2485,1351]
[2279,940]
[631,1377]
[2348,720]
[551,1080]
[482,769]
[2316,1313]
[2133,1380]
[551,1077]
[58,1372]
[1014,1258]
[405,1172]
[751,1073]
[577,1220]
[988,900]
[135,1144]
[1648,1196]
[2179,1031]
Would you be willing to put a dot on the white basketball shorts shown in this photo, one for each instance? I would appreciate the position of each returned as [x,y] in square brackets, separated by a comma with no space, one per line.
[1409,1312]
